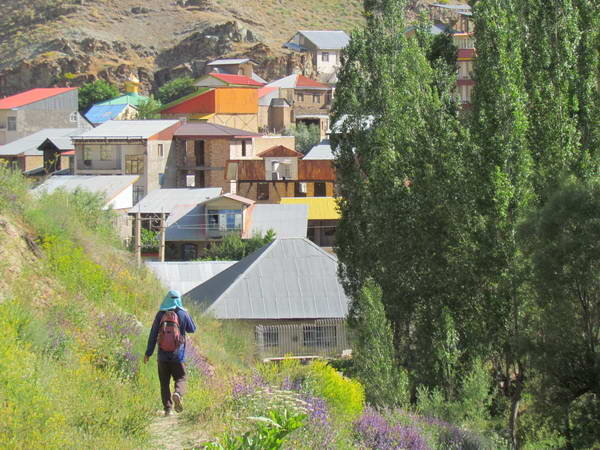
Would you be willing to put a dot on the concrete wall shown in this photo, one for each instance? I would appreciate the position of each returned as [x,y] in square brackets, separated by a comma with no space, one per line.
[124,200]
[247,122]
[160,169]
[326,66]
[266,142]
[216,153]
[235,149]
[291,173]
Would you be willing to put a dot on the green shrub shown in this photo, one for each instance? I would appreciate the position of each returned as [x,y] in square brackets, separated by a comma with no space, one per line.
[268,435]
[345,397]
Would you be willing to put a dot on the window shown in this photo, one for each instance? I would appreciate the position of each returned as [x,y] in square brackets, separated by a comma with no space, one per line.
[199,153]
[325,56]
[160,150]
[105,154]
[320,335]
[262,191]
[224,219]
[320,189]
[316,98]
[271,337]
[138,193]
[243,148]
[12,123]
[134,164]
[87,156]
[299,189]
[74,117]
[300,96]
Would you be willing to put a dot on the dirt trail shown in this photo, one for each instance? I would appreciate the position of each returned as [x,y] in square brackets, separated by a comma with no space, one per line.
[171,433]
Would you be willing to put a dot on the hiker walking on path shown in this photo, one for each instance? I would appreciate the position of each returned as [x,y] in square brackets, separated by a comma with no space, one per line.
[170,326]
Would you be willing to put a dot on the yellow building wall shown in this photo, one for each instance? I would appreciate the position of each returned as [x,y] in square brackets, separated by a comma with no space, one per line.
[237,101]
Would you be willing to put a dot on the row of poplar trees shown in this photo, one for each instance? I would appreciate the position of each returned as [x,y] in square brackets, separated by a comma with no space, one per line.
[479,229]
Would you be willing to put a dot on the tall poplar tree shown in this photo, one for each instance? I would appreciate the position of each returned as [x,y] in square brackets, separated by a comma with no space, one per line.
[551,40]
[402,179]
[504,164]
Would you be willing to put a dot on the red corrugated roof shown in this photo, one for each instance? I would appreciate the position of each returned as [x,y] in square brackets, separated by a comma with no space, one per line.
[31,96]
[266,90]
[236,79]
[305,82]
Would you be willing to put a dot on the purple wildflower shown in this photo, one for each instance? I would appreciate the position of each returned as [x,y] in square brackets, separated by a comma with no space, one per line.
[375,432]
[197,360]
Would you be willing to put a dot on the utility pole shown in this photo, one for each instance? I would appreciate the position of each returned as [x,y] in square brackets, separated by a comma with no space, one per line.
[138,238]
[163,232]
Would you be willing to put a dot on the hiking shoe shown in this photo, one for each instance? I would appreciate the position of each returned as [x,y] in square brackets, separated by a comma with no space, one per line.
[168,412]
[178,402]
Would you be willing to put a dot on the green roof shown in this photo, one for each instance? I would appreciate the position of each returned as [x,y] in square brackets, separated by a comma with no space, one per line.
[130,98]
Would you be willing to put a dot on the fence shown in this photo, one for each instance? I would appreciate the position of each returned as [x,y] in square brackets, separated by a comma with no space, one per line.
[327,338]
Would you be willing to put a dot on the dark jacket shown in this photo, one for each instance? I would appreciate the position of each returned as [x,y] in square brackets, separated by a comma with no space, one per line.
[186,325]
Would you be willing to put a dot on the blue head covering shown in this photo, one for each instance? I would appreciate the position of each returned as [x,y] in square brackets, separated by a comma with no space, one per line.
[172,301]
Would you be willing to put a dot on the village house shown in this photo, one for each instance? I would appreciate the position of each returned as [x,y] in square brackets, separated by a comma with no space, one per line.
[196,218]
[222,99]
[123,107]
[129,147]
[28,154]
[117,191]
[323,49]
[30,111]
[285,176]
[310,100]
[203,149]
[238,66]
[298,309]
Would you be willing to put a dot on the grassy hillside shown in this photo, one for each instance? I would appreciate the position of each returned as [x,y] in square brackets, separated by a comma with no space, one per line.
[75,314]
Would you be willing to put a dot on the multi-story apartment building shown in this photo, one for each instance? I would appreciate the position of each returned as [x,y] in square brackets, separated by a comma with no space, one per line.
[129,147]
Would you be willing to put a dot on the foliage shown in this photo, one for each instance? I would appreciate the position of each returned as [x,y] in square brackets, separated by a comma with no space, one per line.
[148,109]
[307,136]
[234,248]
[13,189]
[562,239]
[94,92]
[175,89]
[374,361]
[150,240]
[269,434]
[346,397]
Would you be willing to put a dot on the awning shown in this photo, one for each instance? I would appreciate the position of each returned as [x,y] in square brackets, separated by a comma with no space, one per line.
[319,208]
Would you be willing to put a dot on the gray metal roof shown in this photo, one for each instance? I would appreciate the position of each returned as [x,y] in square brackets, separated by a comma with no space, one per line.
[203,129]
[28,145]
[168,200]
[183,224]
[108,185]
[287,279]
[121,129]
[227,62]
[320,151]
[288,82]
[185,276]
[461,7]
[287,221]
[327,40]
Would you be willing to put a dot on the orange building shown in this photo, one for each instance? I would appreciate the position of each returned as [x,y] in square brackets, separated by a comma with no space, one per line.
[223,99]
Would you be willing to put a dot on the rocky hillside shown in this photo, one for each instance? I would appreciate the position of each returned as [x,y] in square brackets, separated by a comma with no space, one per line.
[68,42]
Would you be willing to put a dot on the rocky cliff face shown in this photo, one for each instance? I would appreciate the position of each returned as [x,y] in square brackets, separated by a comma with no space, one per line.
[68,42]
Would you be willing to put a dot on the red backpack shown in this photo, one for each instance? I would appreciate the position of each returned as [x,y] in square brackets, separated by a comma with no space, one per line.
[169,335]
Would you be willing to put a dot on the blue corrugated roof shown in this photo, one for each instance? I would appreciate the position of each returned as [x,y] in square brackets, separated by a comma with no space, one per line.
[102,113]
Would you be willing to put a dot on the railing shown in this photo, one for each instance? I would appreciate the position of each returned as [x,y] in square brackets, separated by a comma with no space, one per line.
[324,338]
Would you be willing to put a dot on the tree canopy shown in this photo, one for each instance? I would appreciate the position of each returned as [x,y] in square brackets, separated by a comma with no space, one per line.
[95,92]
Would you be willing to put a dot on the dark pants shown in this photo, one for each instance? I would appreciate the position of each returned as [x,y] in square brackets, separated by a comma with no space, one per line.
[166,370]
